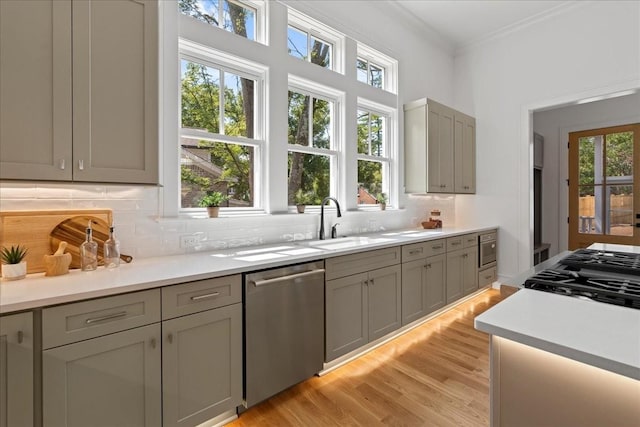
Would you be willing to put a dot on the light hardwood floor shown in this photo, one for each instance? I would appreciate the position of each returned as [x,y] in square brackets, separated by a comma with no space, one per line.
[434,375]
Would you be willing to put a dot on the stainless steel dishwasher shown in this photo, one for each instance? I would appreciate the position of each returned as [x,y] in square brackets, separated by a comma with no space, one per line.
[284,328]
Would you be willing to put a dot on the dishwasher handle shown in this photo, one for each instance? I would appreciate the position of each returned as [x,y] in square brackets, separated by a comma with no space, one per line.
[285,278]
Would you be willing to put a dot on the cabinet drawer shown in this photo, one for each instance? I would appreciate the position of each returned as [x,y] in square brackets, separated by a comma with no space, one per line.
[79,321]
[470,240]
[358,263]
[487,276]
[455,243]
[422,250]
[187,298]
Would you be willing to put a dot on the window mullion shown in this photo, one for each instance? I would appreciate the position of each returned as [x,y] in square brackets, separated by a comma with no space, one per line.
[221,14]
[310,122]
[369,133]
[221,103]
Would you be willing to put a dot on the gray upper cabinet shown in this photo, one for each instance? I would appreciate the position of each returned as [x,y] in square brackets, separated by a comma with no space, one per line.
[35,90]
[16,370]
[439,149]
[101,125]
[464,153]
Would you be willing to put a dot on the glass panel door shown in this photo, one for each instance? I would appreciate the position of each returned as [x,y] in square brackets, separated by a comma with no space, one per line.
[602,180]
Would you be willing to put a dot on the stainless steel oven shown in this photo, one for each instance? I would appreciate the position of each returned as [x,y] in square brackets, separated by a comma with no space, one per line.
[488,249]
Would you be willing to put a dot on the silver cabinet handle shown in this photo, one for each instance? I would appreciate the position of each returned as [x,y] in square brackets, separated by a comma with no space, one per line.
[415,251]
[289,277]
[436,247]
[61,164]
[170,338]
[153,343]
[455,243]
[81,165]
[205,296]
[20,337]
[465,255]
[105,318]
[487,277]
[372,282]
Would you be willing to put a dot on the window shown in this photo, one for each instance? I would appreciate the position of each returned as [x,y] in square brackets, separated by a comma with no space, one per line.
[218,145]
[370,73]
[311,145]
[314,42]
[376,69]
[233,16]
[373,157]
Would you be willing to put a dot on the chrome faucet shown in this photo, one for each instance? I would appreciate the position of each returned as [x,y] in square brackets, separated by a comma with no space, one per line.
[325,200]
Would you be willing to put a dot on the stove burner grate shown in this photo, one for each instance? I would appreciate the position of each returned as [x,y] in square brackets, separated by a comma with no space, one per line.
[616,262]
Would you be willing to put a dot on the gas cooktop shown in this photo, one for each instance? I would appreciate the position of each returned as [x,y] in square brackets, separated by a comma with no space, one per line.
[609,277]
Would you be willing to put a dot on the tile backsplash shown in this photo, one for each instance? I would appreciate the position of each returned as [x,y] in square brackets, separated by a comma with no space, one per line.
[143,232]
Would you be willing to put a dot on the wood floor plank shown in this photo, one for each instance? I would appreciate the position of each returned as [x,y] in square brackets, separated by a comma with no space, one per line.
[434,375]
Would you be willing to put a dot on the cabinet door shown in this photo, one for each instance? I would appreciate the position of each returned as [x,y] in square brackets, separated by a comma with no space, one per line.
[115,91]
[413,290]
[201,365]
[108,381]
[470,271]
[35,88]
[436,280]
[346,315]
[385,305]
[16,370]
[455,275]
[465,153]
[440,159]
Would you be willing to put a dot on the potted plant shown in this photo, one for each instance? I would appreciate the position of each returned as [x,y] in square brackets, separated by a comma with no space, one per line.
[13,266]
[302,199]
[212,201]
[381,198]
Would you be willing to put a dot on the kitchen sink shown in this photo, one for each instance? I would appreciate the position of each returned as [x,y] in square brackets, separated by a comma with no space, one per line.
[344,242]
[415,233]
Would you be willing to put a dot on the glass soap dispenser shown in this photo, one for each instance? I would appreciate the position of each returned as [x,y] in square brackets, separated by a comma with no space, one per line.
[89,252]
[111,250]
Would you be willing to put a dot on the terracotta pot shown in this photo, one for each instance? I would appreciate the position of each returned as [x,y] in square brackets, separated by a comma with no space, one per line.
[300,208]
[213,211]
[14,271]
[383,206]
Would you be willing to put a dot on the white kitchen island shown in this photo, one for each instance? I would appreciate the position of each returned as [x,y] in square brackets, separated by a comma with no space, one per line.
[561,361]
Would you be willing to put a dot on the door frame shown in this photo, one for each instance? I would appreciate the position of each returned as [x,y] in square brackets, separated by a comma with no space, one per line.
[581,240]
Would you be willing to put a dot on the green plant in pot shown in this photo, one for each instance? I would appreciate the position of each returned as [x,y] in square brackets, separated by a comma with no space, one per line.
[13,265]
[382,200]
[212,201]
[302,198]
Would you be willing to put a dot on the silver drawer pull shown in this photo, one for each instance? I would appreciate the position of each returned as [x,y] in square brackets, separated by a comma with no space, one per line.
[487,277]
[455,243]
[153,343]
[415,251]
[20,337]
[105,318]
[436,247]
[285,278]
[170,338]
[205,296]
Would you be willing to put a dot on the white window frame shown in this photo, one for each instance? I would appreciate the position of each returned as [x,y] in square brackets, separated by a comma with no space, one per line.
[225,62]
[379,59]
[317,29]
[336,150]
[258,7]
[389,160]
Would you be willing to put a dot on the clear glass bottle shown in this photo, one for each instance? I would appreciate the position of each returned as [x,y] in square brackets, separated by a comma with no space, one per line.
[89,252]
[111,250]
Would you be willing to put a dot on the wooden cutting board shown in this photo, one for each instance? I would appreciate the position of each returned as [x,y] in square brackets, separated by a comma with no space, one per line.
[73,231]
[32,229]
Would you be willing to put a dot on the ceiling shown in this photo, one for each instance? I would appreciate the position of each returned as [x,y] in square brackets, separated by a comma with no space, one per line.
[465,22]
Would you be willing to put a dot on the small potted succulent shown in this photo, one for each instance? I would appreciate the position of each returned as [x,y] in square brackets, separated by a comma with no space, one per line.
[212,201]
[13,266]
[381,198]
[302,199]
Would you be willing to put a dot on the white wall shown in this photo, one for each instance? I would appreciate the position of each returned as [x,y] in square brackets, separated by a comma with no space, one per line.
[554,125]
[588,49]
[426,69]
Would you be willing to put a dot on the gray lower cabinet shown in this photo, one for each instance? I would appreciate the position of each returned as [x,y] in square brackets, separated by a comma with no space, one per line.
[16,370]
[361,308]
[462,273]
[423,287]
[201,365]
[112,380]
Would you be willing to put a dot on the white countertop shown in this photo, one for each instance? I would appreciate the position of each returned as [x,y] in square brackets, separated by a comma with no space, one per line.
[602,335]
[39,291]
